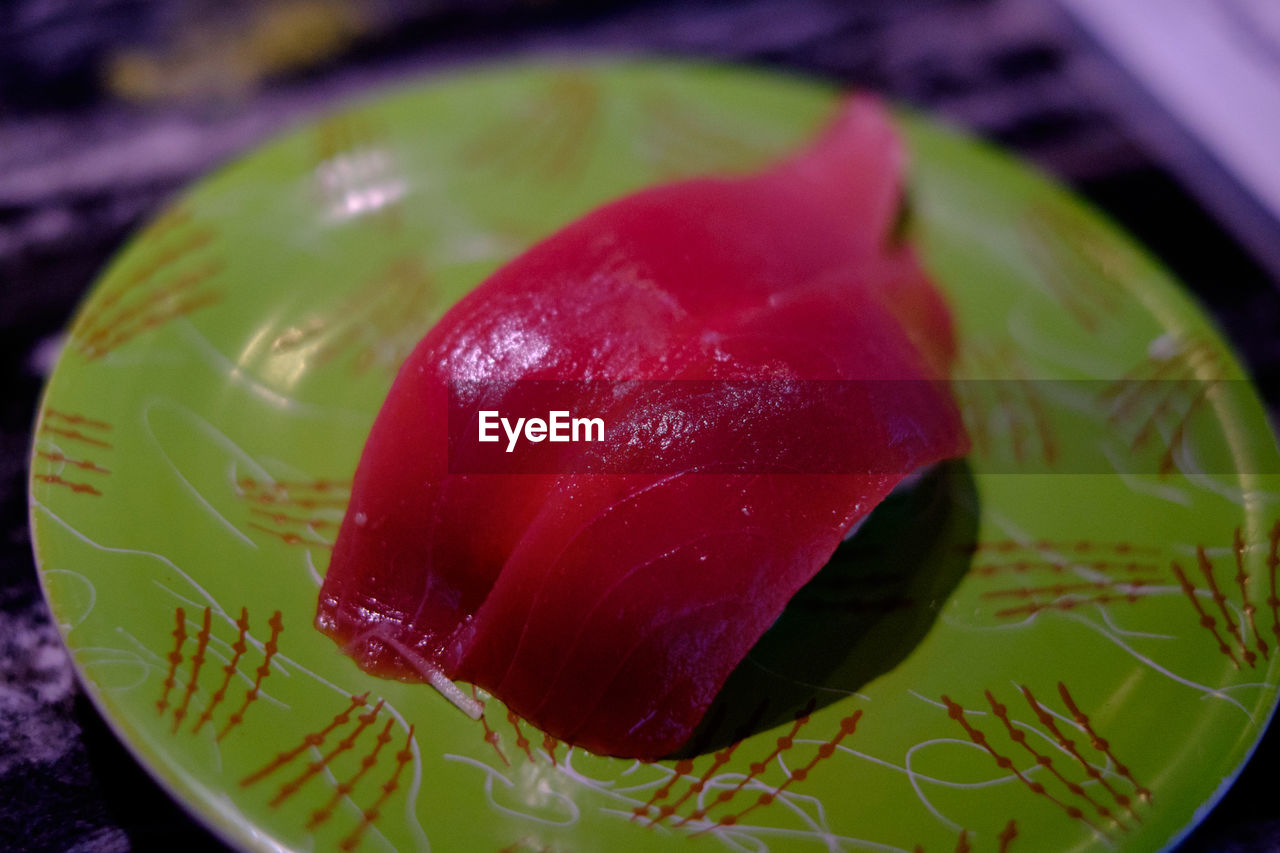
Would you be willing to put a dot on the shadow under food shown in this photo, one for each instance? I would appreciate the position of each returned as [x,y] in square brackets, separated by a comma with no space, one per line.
[859,617]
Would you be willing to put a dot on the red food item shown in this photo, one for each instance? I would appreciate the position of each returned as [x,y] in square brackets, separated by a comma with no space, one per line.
[608,609]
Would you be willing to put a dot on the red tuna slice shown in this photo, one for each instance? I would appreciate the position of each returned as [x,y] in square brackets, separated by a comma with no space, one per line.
[608,609]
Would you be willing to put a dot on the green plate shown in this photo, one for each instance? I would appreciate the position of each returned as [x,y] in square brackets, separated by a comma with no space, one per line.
[1048,660]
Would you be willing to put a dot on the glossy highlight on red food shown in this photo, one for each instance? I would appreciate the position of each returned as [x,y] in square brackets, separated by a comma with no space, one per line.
[608,609]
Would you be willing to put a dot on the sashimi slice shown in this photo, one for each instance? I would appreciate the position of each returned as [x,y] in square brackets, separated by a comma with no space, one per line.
[608,609]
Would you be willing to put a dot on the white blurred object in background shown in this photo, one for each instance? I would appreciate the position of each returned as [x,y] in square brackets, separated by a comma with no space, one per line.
[1214,65]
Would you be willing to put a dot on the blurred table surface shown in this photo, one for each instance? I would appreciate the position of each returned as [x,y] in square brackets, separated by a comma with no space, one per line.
[108,108]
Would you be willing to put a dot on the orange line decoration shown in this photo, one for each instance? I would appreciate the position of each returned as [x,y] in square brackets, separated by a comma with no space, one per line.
[963,845]
[1176,366]
[1008,405]
[1009,394]
[274,507]
[683,767]
[1206,621]
[82,464]
[1039,419]
[1249,609]
[281,518]
[58,461]
[190,243]
[285,486]
[656,811]
[783,744]
[264,669]
[957,713]
[1018,428]
[1074,790]
[1050,723]
[78,488]
[377,324]
[1019,737]
[228,671]
[522,742]
[681,141]
[1160,387]
[1273,560]
[1056,589]
[313,739]
[197,661]
[721,758]
[1098,743]
[1163,409]
[75,419]
[1081,546]
[847,727]
[366,716]
[1206,569]
[1007,835]
[164,223]
[313,494]
[1062,604]
[1060,566]
[288,789]
[1077,264]
[975,419]
[288,537]
[78,428]
[371,814]
[548,138]
[490,735]
[1125,578]
[344,789]
[172,280]
[305,503]
[549,744]
[1233,644]
[74,435]
[175,658]
[98,341]
[199,657]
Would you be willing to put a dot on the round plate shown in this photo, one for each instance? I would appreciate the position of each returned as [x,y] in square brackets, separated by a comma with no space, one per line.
[1051,656]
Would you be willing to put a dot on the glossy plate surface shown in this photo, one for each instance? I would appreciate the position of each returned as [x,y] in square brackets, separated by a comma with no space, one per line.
[1022,658]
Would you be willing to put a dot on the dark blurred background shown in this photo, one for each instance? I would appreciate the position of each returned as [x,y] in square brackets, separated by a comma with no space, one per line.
[110,107]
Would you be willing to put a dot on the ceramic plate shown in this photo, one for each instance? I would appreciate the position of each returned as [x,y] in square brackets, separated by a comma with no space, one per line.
[1015,655]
